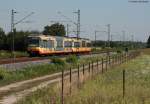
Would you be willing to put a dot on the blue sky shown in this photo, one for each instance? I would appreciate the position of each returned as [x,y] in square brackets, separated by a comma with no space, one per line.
[95,14]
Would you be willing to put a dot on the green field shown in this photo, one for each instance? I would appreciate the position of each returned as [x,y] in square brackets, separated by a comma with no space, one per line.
[106,88]
[8,54]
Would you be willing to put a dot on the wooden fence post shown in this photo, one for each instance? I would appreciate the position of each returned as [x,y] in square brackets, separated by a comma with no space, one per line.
[89,67]
[109,61]
[97,65]
[83,69]
[78,76]
[106,62]
[70,80]
[92,68]
[102,65]
[83,73]
[62,92]
[123,83]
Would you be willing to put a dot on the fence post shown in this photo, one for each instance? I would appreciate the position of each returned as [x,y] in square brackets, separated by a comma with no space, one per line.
[89,67]
[112,62]
[123,83]
[83,73]
[78,77]
[109,61]
[97,65]
[102,65]
[92,68]
[83,69]
[106,62]
[122,58]
[62,93]
[70,80]
[118,59]
[126,57]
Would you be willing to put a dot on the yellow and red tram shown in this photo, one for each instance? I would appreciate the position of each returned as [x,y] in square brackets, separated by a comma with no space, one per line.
[49,45]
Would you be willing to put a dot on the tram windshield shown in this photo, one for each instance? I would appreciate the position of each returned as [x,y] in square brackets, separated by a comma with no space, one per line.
[33,41]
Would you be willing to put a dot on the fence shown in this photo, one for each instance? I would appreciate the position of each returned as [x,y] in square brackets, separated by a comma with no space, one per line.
[74,79]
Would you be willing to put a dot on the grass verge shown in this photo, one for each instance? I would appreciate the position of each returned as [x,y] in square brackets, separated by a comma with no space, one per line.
[106,88]
[8,54]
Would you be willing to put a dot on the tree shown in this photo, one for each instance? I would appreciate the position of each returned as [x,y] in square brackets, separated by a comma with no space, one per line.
[148,42]
[55,30]
[35,32]
[2,39]
[20,39]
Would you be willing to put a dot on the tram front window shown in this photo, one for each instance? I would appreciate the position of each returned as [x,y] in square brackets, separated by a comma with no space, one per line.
[33,42]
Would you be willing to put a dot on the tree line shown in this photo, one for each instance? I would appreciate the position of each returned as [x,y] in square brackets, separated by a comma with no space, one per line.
[119,44]
[56,29]
[20,37]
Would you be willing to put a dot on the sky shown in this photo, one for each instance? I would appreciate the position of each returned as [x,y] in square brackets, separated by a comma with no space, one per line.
[133,18]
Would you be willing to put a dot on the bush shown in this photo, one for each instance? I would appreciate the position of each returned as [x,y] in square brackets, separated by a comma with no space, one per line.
[3,74]
[119,50]
[72,59]
[58,61]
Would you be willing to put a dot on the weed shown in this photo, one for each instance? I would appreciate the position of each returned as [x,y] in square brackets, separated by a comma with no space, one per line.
[72,59]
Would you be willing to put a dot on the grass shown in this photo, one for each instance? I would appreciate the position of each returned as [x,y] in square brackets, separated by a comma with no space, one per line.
[106,88]
[8,54]
[146,51]
[7,77]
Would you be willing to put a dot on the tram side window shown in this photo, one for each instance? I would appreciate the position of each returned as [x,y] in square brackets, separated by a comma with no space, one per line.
[59,44]
[83,44]
[44,43]
[41,44]
[68,44]
[88,44]
[76,44]
[50,44]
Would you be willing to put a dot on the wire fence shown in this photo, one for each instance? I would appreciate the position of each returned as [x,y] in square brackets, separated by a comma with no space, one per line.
[75,79]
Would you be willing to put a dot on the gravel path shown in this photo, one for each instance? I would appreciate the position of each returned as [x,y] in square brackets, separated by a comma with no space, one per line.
[21,65]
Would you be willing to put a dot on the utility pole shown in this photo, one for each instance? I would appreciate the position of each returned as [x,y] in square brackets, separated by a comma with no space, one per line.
[111,38]
[67,32]
[78,23]
[95,37]
[13,29]
[132,41]
[108,41]
[123,38]
[78,35]
[132,38]
[13,32]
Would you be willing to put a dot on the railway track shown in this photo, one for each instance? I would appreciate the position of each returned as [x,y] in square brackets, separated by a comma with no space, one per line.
[28,59]
[21,59]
